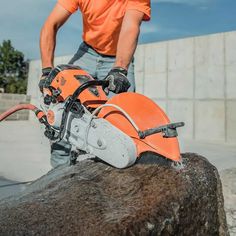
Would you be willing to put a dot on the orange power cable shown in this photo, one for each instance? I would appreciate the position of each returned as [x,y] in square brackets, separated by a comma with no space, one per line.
[19,107]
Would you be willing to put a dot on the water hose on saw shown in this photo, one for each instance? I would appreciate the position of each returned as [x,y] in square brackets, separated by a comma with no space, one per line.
[39,113]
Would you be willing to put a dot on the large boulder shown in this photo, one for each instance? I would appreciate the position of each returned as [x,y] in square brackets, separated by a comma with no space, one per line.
[92,198]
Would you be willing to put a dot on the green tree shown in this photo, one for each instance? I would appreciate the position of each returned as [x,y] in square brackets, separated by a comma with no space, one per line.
[13,69]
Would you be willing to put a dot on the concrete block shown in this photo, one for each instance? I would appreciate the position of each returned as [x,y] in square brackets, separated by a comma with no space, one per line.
[33,78]
[23,112]
[139,81]
[12,117]
[155,58]
[20,97]
[24,116]
[210,121]
[180,83]
[231,121]
[209,50]
[28,98]
[230,48]
[2,110]
[162,104]
[180,54]
[7,96]
[155,85]
[231,81]
[139,59]
[6,104]
[209,82]
[182,111]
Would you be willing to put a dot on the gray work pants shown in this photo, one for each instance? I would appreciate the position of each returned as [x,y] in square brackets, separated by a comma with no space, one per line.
[97,66]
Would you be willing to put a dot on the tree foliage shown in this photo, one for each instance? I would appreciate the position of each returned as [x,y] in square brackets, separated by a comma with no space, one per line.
[13,69]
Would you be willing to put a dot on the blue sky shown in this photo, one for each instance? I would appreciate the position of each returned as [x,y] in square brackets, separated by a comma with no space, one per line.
[21,22]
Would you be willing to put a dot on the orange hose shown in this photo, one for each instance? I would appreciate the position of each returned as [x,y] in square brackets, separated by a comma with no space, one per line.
[18,108]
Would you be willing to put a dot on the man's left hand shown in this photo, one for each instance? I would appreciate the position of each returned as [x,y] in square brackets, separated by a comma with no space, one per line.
[118,82]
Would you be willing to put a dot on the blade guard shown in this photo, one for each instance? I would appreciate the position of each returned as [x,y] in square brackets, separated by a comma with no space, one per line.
[146,114]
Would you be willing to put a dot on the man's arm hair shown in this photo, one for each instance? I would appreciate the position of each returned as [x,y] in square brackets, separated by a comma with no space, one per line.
[128,38]
[55,20]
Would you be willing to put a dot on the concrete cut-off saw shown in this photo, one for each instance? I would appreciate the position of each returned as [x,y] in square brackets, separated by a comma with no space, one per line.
[117,130]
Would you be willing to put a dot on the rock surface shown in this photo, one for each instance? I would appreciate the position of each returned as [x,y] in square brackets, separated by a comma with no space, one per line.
[92,198]
[229,189]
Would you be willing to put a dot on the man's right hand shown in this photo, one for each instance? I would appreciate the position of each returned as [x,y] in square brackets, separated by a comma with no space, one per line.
[43,80]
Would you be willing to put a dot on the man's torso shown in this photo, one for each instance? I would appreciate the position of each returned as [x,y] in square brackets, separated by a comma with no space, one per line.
[102,20]
[102,23]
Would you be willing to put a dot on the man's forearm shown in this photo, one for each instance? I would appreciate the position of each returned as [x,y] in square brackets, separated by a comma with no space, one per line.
[48,34]
[47,45]
[128,38]
[126,46]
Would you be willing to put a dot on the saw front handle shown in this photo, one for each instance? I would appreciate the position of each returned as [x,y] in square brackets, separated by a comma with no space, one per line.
[169,130]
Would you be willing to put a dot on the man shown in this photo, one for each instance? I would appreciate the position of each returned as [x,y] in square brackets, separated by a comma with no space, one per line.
[110,34]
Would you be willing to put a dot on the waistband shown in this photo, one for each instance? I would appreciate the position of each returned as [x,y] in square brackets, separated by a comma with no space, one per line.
[102,55]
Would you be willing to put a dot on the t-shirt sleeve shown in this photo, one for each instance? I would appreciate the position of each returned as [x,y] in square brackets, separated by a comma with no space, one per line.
[69,5]
[140,5]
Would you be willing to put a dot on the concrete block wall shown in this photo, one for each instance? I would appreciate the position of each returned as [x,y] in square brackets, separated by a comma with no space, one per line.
[8,100]
[192,79]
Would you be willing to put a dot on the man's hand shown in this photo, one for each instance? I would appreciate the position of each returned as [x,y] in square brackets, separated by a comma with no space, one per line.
[43,81]
[118,82]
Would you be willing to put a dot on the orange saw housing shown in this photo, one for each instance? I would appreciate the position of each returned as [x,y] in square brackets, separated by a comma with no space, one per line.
[67,81]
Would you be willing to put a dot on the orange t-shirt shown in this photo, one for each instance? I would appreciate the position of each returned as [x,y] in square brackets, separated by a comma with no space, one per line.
[102,20]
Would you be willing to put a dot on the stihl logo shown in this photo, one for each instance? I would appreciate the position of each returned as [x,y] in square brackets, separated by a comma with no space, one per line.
[62,81]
